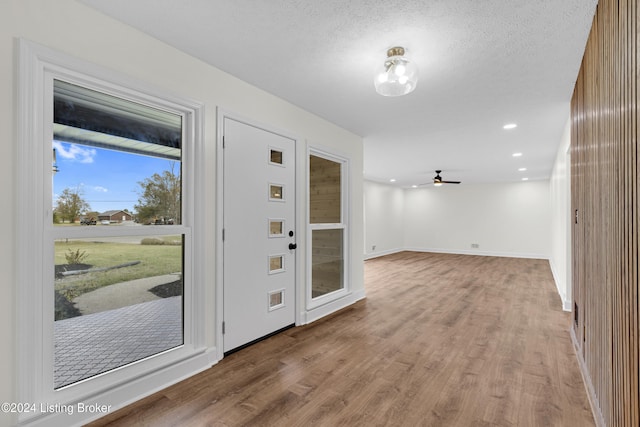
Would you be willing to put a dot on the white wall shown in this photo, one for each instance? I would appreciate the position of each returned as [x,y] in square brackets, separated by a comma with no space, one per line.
[560,185]
[384,219]
[503,219]
[72,28]
[511,219]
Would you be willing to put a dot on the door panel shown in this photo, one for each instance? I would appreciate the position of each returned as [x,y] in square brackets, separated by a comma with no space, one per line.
[259,216]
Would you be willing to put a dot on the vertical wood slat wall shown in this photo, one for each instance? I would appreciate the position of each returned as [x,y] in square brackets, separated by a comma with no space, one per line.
[604,169]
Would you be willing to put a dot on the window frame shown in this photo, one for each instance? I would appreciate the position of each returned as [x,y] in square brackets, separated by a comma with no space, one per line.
[37,68]
[345,217]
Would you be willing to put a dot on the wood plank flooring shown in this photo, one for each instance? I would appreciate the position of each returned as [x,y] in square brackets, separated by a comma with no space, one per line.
[441,340]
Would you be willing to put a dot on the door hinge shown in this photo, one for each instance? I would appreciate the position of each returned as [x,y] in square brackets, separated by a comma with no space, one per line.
[223,142]
[223,234]
[223,327]
[576,217]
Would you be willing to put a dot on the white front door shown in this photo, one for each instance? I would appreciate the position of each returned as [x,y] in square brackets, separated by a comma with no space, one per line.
[259,233]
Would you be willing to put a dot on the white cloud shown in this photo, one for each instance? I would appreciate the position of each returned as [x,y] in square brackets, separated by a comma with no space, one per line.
[74,152]
[100,189]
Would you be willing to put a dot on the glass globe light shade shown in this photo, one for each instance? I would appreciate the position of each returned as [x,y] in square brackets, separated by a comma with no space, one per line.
[397,75]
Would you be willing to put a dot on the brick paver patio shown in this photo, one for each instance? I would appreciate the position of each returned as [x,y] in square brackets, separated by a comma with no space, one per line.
[89,345]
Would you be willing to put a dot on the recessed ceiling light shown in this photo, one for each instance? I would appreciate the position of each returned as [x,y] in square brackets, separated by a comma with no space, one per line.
[517,154]
[510,126]
[414,186]
[392,180]
[522,169]
[525,179]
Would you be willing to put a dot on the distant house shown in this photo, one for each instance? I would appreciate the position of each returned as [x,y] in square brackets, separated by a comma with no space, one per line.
[115,216]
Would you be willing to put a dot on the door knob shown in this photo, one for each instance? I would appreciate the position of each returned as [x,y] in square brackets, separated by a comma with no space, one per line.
[293,246]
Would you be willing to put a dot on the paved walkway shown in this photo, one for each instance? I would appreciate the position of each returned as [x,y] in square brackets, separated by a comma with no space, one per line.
[121,294]
[91,344]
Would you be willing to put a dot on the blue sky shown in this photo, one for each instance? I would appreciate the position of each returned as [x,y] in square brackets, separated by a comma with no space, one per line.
[107,179]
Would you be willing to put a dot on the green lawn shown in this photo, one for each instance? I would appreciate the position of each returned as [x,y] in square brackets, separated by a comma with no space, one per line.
[154,260]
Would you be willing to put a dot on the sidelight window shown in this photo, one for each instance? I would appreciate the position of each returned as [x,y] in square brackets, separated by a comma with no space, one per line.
[328,225]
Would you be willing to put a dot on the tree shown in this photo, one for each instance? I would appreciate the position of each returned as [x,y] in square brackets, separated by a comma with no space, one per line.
[91,214]
[70,205]
[160,197]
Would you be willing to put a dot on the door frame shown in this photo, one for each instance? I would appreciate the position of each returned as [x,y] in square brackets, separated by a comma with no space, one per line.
[300,214]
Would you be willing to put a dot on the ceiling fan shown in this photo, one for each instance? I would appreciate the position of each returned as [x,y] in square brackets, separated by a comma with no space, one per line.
[437,180]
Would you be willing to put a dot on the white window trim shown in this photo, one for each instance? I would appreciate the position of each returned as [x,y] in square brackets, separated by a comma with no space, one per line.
[37,66]
[282,222]
[282,302]
[325,153]
[281,150]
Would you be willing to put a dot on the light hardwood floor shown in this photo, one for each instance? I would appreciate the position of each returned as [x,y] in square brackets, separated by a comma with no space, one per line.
[441,340]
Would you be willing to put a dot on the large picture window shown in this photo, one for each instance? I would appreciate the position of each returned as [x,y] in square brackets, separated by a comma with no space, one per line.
[117,170]
[108,290]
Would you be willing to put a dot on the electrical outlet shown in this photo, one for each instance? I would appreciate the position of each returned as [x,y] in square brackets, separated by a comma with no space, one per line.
[475,245]
[373,248]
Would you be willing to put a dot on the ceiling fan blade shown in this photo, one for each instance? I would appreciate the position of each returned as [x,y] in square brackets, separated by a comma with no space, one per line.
[437,180]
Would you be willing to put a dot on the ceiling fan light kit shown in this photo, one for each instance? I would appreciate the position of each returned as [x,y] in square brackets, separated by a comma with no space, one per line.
[438,181]
[397,76]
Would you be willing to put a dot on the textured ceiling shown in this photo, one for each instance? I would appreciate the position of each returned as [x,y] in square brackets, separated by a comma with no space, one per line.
[483,63]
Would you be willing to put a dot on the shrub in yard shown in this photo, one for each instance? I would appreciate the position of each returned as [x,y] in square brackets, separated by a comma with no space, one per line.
[75,257]
[64,309]
[152,241]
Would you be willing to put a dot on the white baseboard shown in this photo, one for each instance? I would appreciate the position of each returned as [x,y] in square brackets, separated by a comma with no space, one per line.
[324,310]
[480,253]
[371,255]
[566,304]
[584,372]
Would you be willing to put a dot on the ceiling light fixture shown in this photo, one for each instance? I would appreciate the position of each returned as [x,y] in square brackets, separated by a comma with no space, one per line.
[522,169]
[510,126]
[517,154]
[397,76]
